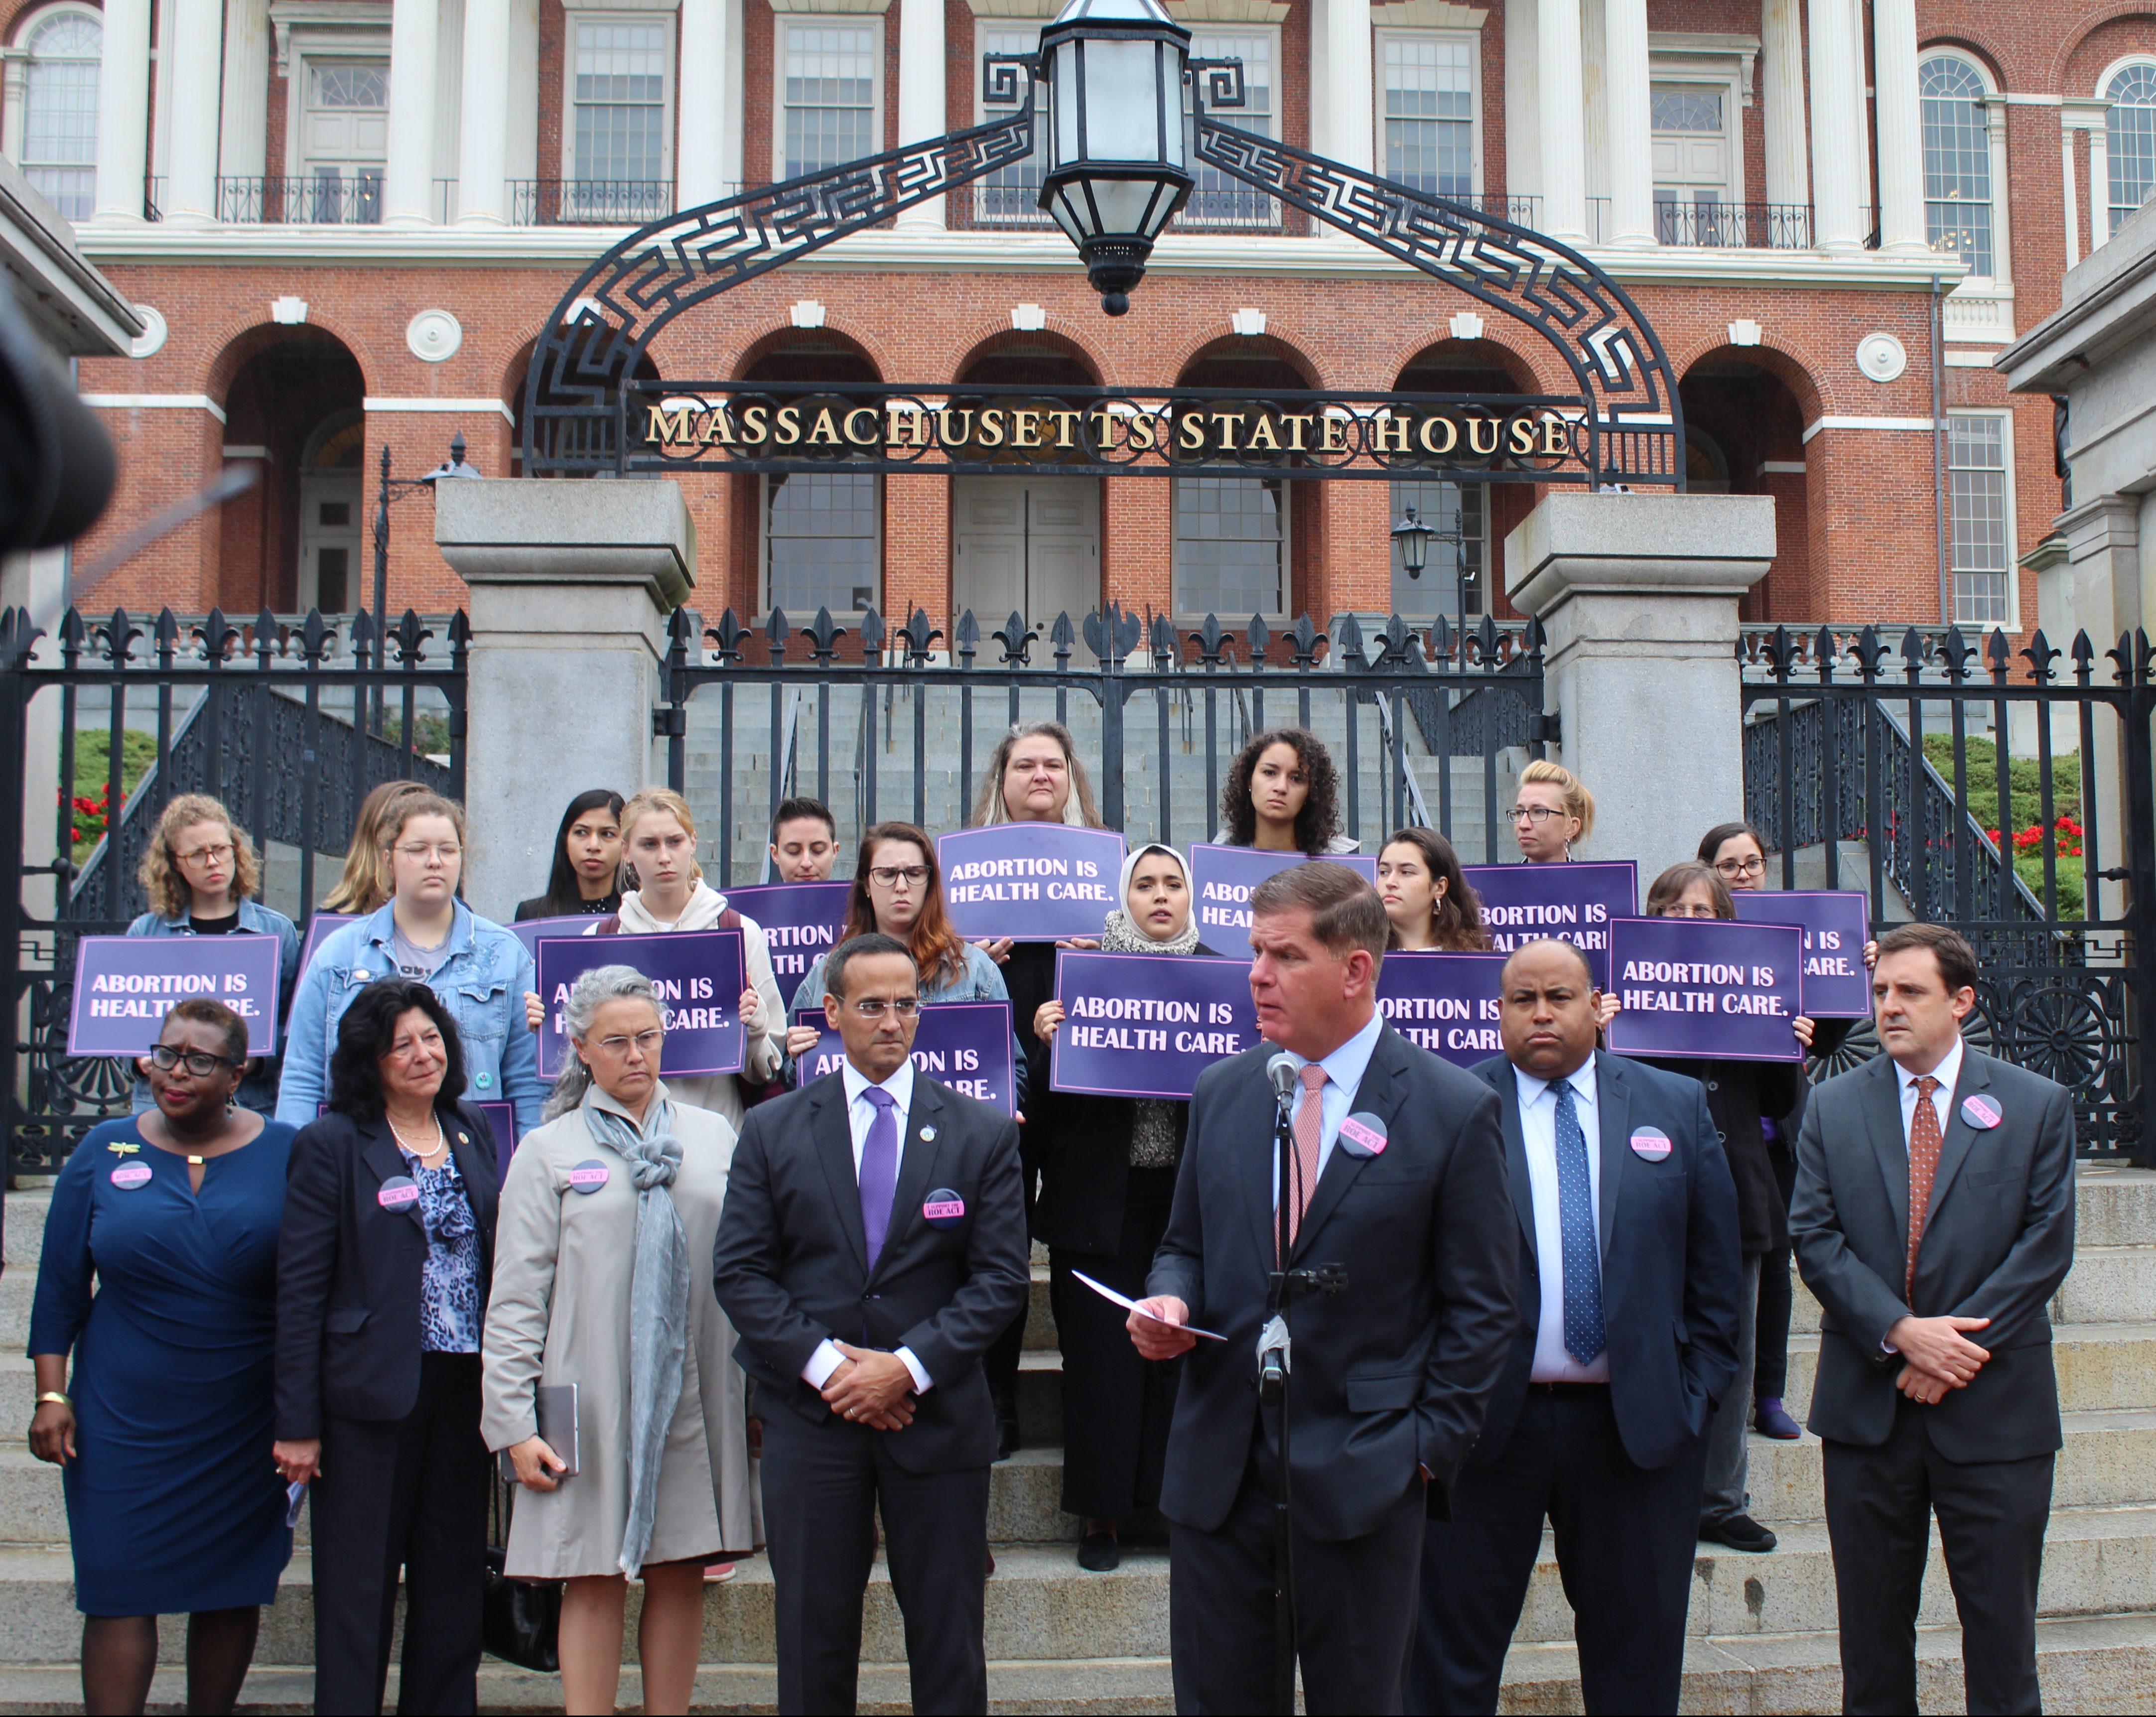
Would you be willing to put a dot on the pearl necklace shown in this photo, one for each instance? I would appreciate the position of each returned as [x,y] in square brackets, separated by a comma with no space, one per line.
[440,1141]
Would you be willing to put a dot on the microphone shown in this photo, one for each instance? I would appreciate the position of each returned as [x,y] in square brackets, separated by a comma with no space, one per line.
[1283,1071]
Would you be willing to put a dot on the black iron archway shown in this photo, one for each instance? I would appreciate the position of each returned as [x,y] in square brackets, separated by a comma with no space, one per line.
[1623,422]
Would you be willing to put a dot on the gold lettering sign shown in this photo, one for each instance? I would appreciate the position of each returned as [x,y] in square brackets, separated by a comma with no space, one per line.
[1475,426]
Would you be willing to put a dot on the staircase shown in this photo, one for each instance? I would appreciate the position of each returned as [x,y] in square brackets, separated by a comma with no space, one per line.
[1062,1640]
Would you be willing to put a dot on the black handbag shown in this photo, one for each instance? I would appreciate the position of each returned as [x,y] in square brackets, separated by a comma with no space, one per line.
[520,1619]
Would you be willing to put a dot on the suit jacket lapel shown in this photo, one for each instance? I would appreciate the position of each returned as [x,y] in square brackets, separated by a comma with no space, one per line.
[1613,1104]
[918,1159]
[1516,1164]
[1378,1095]
[379,1152]
[1960,1135]
[1255,1167]
[834,1137]
[1882,1120]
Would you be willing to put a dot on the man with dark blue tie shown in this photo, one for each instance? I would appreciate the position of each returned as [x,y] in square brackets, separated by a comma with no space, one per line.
[873,1244]
[1630,1288]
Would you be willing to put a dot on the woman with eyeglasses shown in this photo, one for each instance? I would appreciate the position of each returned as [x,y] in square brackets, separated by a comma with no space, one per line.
[201,877]
[364,883]
[163,1431]
[1426,895]
[1740,1094]
[382,1285]
[1739,858]
[1283,796]
[586,876]
[1551,809]
[604,1285]
[425,933]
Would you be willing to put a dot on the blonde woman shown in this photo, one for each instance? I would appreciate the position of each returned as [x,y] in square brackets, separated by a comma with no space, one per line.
[201,875]
[1550,810]
[365,885]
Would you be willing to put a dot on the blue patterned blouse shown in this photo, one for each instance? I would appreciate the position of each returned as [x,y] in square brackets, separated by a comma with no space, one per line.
[449,1289]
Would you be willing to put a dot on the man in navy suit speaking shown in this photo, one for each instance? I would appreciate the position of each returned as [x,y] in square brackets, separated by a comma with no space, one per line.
[1629,1290]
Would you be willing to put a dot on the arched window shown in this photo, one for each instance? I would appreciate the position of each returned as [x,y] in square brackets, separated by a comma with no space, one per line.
[59,111]
[2130,138]
[1957,161]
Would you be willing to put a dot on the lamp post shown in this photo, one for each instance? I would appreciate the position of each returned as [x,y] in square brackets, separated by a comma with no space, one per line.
[391,488]
[1414,538]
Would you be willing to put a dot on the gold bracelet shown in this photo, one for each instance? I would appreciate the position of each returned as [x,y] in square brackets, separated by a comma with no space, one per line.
[45,1396]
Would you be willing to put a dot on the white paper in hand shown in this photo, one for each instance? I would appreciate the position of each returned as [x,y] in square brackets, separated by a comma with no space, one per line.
[1109,1294]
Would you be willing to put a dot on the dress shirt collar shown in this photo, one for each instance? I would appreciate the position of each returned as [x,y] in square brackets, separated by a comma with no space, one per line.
[899,1084]
[1581,1080]
[1346,1065]
[1948,1073]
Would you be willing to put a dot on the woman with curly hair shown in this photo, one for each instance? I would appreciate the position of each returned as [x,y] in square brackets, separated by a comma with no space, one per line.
[201,874]
[1283,796]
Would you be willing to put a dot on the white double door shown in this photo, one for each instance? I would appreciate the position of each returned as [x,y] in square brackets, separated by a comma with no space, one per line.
[1026,545]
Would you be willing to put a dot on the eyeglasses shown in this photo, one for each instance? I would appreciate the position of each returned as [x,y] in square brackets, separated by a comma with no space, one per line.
[418,852]
[208,855]
[890,876]
[199,1061]
[1753,866]
[648,1042]
[874,1006]
[1536,814]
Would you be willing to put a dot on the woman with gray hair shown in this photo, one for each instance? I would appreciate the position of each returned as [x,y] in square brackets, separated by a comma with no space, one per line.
[601,1285]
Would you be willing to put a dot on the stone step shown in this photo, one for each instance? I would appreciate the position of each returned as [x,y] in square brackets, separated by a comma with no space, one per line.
[2115,1206]
[2101,1367]
[2108,1285]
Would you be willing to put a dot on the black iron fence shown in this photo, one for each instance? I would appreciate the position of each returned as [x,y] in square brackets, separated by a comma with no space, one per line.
[291,723]
[2006,793]
[1427,725]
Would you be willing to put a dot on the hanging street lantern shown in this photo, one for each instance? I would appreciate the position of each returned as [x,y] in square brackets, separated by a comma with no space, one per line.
[1413,536]
[1114,71]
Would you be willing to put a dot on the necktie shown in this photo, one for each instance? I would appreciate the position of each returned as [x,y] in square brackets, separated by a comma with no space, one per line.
[879,1170]
[1309,1134]
[1583,1335]
[1924,1142]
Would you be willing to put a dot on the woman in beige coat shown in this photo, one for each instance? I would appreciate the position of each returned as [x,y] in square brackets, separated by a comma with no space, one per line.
[602,1280]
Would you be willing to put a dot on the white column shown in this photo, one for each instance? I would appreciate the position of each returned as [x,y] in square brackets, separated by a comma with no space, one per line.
[2071,187]
[197,59]
[920,113]
[483,116]
[1838,197]
[1523,141]
[123,111]
[1631,123]
[1782,94]
[243,130]
[408,178]
[1901,128]
[1563,111]
[712,102]
[1348,76]
[2099,186]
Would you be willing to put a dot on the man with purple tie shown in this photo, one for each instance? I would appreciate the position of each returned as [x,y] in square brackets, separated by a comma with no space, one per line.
[873,1246]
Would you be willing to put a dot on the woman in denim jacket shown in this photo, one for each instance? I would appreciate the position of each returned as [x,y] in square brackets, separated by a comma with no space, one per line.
[425,933]
[201,875]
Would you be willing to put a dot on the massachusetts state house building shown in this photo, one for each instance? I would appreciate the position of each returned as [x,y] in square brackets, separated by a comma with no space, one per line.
[345,222]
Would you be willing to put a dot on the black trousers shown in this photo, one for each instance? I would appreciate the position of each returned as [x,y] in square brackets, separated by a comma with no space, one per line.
[999,1361]
[1116,1407]
[1992,1516]
[823,1483]
[1625,1540]
[1354,1604]
[1770,1353]
[410,1491]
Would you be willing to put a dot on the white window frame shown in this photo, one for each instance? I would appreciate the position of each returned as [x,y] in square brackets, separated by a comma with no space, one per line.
[582,15]
[14,109]
[763,542]
[983,28]
[305,45]
[781,21]
[1193,617]
[2001,278]
[2005,415]
[1473,39]
[1736,94]
[2103,93]
[1228,115]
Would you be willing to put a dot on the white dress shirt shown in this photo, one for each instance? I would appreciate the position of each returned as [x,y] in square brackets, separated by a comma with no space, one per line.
[861,1116]
[1553,1364]
[1948,1073]
[1344,1068]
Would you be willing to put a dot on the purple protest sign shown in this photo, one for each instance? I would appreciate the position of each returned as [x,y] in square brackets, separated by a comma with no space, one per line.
[1573,903]
[1445,1003]
[320,929]
[966,1045]
[1033,882]
[801,922]
[1221,878]
[1147,1025]
[1836,924]
[698,975]
[123,986]
[530,931]
[1705,987]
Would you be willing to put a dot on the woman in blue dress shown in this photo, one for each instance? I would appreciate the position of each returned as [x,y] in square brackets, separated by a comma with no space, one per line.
[164,1431]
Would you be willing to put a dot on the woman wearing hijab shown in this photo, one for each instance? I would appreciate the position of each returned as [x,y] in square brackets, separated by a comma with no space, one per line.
[603,1281]
[1107,1177]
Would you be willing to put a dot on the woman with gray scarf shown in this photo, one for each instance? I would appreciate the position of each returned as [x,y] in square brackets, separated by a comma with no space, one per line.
[1107,1177]
[602,1281]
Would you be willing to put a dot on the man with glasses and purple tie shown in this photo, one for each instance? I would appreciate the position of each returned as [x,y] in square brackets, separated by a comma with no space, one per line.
[874,1245]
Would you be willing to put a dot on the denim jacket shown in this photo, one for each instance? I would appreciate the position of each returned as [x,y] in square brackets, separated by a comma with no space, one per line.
[258,1090]
[482,981]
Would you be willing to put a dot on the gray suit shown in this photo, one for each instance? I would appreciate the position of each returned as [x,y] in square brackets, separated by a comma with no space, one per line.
[1998,1241]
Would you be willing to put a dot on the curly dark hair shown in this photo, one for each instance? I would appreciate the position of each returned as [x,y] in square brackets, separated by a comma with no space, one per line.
[1319,820]
[365,1033]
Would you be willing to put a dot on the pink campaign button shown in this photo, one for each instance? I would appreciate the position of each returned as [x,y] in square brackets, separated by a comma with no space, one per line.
[1355,1131]
[396,1193]
[1649,1143]
[130,1175]
[588,1177]
[1981,1112]
[938,1208]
